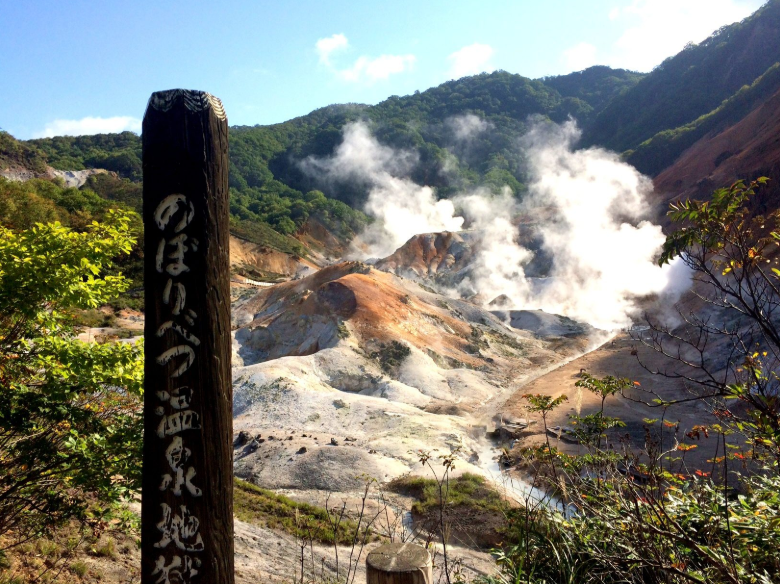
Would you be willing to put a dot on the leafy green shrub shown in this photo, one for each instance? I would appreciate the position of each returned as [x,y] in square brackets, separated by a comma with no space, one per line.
[14,152]
[69,411]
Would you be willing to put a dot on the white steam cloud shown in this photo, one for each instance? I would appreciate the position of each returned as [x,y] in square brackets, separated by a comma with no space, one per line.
[405,209]
[587,206]
[603,251]
[468,126]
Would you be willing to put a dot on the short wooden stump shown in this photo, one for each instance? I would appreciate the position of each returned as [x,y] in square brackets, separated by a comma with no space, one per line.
[399,563]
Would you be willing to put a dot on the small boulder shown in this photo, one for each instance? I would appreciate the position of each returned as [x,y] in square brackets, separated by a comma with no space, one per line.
[302,450]
[333,442]
[243,438]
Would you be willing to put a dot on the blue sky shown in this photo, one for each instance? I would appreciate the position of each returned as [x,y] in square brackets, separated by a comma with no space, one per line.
[74,67]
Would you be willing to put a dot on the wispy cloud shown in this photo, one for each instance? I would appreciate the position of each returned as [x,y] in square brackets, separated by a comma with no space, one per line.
[364,69]
[471,60]
[380,68]
[657,29]
[579,57]
[89,125]
[329,45]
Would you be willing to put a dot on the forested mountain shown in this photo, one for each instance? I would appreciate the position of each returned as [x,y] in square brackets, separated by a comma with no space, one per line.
[268,184]
[427,123]
[270,189]
[691,84]
[120,153]
[650,118]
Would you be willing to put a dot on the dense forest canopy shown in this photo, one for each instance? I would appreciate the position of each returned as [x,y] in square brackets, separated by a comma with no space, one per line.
[118,152]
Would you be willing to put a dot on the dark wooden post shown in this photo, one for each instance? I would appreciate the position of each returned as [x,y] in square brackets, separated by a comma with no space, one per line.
[187,506]
[399,563]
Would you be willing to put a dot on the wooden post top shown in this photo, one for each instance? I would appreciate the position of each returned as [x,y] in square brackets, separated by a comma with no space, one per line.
[193,100]
[399,557]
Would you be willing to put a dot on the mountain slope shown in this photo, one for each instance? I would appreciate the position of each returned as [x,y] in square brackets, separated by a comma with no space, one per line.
[746,150]
[351,351]
[660,151]
[455,150]
[463,132]
[692,83]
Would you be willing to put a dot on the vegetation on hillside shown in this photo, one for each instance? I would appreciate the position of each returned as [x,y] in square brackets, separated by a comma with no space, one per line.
[431,125]
[654,155]
[466,490]
[23,204]
[120,153]
[16,153]
[267,181]
[260,506]
[70,417]
[256,197]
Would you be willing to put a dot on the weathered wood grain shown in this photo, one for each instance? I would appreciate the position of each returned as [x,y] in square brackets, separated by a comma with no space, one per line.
[399,563]
[187,508]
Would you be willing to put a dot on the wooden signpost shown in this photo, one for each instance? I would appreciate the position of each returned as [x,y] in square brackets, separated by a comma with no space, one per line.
[399,563]
[187,507]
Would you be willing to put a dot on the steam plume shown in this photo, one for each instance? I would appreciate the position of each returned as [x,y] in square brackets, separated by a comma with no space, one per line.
[603,251]
[404,208]
[588,207]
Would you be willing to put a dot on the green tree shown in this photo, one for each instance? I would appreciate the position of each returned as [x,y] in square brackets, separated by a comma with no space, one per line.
[591,428]
[70,419]
[733,253]
[544,405]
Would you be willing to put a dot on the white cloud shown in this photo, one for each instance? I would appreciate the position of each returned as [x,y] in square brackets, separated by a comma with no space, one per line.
[364,68]
[657,29]
[89,125]
[380,68]
[327,46]
[471,60]
[579,57]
